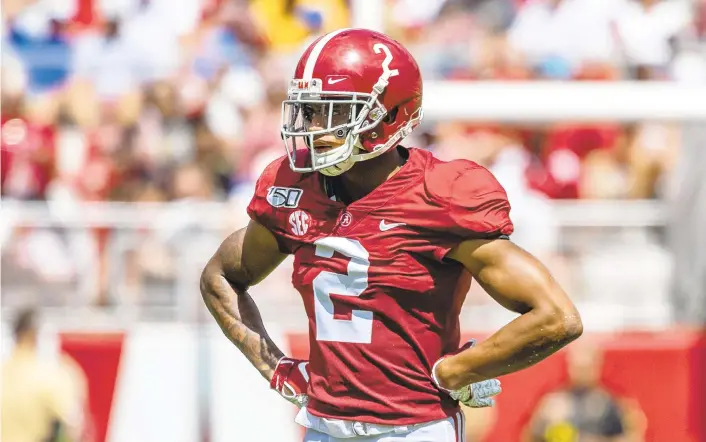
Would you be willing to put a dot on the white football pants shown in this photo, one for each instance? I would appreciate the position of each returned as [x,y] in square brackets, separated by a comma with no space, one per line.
[319,429]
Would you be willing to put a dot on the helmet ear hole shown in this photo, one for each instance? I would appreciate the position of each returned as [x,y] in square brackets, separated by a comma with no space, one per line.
[391,116]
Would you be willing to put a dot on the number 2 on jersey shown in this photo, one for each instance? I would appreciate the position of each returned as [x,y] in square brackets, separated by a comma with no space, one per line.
[358,329]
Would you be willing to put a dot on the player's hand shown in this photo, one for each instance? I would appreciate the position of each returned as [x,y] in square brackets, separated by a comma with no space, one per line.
[291,379]
[476,395]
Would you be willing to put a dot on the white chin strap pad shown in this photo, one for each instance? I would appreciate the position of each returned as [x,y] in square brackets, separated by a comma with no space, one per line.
[339,168]
[333,156]
[341,157]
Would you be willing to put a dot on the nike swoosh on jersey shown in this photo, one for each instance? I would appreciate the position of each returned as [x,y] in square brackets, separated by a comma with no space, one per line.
[384,227]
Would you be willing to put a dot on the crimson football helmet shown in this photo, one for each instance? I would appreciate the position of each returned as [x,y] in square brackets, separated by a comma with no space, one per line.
[367,92]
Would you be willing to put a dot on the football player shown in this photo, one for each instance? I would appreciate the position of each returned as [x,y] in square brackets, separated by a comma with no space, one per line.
[386,240]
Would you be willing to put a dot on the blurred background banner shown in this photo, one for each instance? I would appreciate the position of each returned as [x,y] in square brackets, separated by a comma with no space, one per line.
[132,133]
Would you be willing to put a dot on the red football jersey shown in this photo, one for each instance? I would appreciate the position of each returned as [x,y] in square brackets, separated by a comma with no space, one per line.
[383,304]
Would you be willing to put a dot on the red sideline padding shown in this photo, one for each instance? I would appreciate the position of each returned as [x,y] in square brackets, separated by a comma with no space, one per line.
[99,356]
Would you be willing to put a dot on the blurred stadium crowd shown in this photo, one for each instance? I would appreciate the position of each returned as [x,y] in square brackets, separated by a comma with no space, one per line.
[154,100]
[166,100]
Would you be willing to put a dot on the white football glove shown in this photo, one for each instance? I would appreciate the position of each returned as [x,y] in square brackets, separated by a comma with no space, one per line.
[476,395]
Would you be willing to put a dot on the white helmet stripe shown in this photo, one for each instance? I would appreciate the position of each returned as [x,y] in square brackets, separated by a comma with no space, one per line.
[314,54]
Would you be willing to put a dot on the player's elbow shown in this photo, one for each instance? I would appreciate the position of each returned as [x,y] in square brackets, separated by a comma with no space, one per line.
[211,278]
[561,322]
[208,276]
[570,326]
[217,283]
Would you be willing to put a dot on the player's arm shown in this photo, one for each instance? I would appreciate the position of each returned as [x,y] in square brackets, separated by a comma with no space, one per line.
[245,258]
[519,282]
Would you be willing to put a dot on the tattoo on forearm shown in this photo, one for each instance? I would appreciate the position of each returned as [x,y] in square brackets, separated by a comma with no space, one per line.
[240,320]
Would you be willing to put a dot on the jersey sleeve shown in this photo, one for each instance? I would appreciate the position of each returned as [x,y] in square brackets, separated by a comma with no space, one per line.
[473,205]
[260,210]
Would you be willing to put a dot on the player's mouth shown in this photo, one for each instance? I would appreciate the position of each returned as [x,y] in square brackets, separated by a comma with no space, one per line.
[323,147]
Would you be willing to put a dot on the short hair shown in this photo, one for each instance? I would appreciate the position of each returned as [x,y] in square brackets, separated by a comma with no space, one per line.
[25,322]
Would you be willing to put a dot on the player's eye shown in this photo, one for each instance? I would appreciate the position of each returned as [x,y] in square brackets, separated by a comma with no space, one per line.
[308,112]
[342,109]
[337,110]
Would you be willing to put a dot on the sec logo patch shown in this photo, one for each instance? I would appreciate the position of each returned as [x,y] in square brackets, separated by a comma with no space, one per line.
[299,221]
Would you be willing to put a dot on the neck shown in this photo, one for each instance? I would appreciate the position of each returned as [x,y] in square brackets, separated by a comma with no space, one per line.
[364,177]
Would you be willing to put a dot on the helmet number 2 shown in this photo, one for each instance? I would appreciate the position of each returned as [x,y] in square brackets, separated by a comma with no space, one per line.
[359,328]
[379,47]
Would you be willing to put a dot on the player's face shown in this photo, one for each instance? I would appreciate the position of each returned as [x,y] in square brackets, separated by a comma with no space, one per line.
[328,116]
